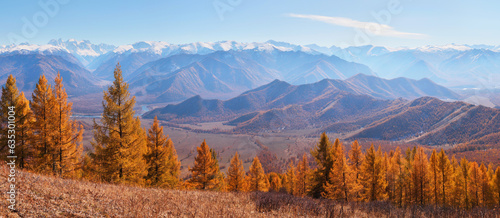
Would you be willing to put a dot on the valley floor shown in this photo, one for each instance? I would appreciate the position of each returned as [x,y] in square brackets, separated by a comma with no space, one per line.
[46,196]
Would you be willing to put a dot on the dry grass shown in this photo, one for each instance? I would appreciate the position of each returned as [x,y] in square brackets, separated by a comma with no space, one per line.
[45,196]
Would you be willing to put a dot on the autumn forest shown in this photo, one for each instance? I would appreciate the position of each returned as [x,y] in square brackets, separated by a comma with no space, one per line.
[49,142]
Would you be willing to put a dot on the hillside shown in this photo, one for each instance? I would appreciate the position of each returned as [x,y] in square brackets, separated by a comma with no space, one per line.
[45,196]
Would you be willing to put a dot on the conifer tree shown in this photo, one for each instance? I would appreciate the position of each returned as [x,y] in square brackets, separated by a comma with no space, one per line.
[487,198]
[219,180]
[119,141]
[235,174]
[496,184]
[420,177]
[203,171]
[434,175]
[339,183]
[290,179]
[42,105]
[372,176]
[474,184]
[161,158]
[397,170]
[356,160]
[322,154]
[445,171]
[275,181]
[302,177]
[23,123]
[464,173]
[257,176]
[68,135]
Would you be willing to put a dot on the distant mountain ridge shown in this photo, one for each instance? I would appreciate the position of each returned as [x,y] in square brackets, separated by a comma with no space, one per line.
[334,107]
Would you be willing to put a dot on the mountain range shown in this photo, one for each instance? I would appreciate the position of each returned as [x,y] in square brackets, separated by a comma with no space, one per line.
[161,72]
[338,106]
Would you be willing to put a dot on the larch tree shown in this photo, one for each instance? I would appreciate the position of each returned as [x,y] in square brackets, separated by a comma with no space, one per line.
[257,176]
[275,182]
[445,171]
[496,184]
[119,141]
[464,174]
[161,158]
[68,135]
[339,183]
[219,181]
[302,177]
[42,105]
[356,160]
[203,172]
[474,184]
[290,179]
[396,171]
[23,123]
[434,176]
[373,176]
[420,177]
[235,174]
[322,154]
[487,198]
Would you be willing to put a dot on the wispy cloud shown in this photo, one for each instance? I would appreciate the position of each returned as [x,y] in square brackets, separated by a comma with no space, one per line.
[370,27]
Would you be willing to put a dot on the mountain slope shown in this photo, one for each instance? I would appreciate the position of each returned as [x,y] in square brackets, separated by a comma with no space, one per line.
[27,68]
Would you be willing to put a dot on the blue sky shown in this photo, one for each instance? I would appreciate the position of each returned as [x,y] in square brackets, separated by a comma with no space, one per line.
[341,23]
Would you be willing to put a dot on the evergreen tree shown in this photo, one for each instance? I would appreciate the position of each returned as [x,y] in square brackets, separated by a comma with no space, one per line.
[119,141]
[373,176]
[203,171]
[68,135]
[257,176]
[322,154]
[235,174]
[161,158]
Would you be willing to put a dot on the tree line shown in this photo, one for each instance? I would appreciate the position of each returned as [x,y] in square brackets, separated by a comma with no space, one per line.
[48,141]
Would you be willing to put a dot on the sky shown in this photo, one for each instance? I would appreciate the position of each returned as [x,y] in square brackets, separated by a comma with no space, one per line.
[392,23]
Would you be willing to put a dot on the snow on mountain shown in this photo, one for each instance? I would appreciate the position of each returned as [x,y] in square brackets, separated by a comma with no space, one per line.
[83,50]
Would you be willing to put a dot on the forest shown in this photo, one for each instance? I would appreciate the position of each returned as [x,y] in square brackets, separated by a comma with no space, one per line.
[49,142]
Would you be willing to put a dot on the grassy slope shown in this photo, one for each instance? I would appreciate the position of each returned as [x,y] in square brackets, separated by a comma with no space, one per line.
[45,196]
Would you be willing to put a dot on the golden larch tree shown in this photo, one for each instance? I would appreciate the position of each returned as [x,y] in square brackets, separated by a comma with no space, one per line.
[355,160]
[339,184]
[445,171]
[161,158]
[12,99]
[302,177]
[235,174]
[68,134]
[496,184]
[119,141]
[203,172]
[257,176]
[42,105]
[373,176]
[434,176]
[420,177]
